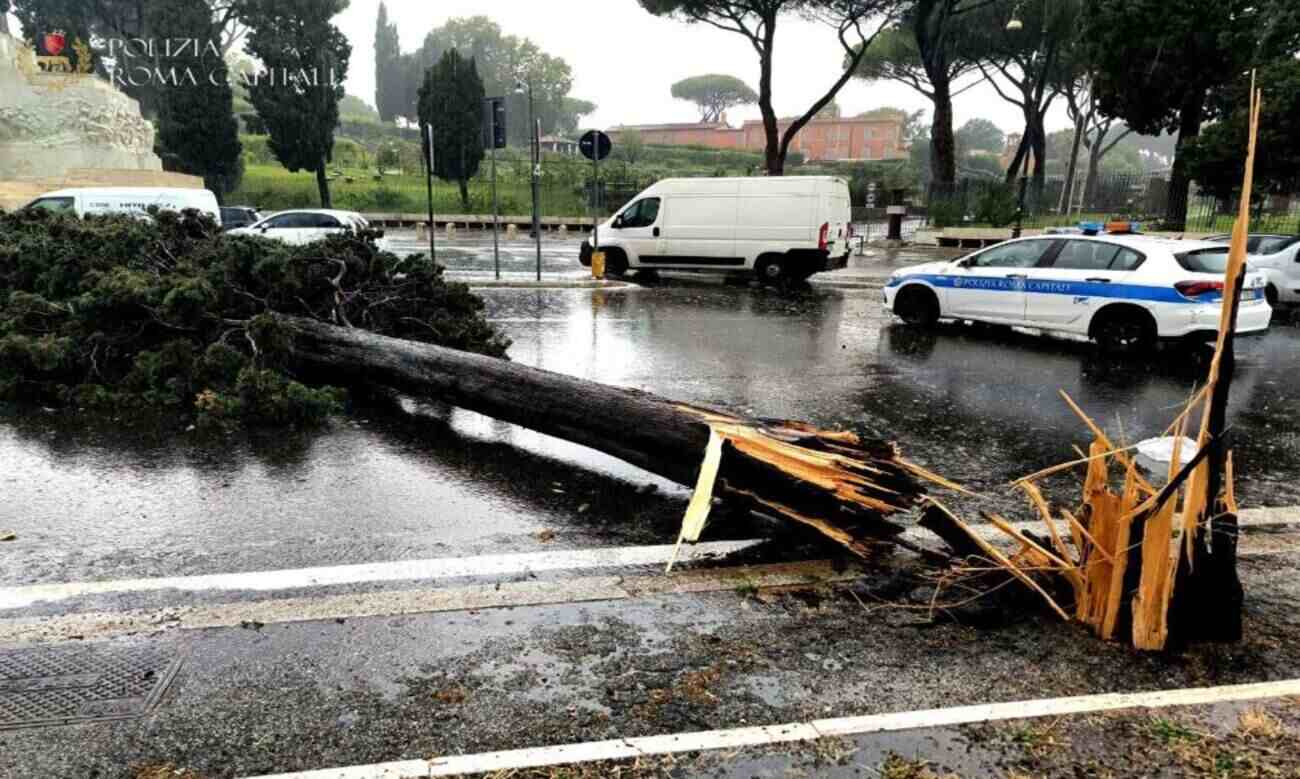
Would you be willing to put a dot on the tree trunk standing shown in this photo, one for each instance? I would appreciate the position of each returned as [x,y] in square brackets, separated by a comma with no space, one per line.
[1039,146]
[464,195]
[1094,174]
[775,159]
[1067,190]
[1013,170]
[1190,117]
[943,142]
[323,185]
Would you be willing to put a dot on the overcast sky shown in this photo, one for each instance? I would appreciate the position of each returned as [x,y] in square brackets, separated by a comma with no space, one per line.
[626,60]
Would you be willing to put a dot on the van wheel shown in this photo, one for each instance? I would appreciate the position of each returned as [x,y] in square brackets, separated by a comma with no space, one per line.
[917,306]
[1270,294]
[771,269]
[615,262]
[1124,332]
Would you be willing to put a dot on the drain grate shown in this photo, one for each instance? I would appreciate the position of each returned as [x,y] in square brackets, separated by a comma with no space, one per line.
[83,683]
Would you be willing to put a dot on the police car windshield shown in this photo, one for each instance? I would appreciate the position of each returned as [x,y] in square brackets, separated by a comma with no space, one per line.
[1212,260]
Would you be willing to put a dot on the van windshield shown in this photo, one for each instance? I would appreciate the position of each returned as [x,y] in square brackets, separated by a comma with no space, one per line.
[56,204]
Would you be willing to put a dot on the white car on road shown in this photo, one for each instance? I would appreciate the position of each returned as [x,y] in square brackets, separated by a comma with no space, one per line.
[1278,258]
[303,226]
[1124,291]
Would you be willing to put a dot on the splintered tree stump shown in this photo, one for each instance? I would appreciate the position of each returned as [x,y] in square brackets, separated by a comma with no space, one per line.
[836,483]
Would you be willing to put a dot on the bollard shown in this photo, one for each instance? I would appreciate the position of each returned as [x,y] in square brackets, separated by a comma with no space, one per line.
[451,230]
[421,232]
[563,231]
[598,265]
[512,232]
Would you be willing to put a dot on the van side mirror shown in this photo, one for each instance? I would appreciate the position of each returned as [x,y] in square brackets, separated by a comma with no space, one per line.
[618,222]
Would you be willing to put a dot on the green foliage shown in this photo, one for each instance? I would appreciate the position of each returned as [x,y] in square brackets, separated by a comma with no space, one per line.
[996,205]
[714,93]
[502,61]
[947,212]
[197,131]
[297,44]
[980,135]
[451,101]
[388,68]
[1217,157]
[120,312]
[355,109]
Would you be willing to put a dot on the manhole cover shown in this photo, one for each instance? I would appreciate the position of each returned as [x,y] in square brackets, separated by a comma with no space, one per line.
[59,685]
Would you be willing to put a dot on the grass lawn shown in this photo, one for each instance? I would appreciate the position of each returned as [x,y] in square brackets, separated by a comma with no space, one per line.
[272,188]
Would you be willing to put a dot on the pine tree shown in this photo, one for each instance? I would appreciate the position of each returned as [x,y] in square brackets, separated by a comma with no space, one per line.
[306,61]
[197,130]
[451,99]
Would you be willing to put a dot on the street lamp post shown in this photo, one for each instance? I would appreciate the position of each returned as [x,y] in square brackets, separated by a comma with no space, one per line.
[535,145]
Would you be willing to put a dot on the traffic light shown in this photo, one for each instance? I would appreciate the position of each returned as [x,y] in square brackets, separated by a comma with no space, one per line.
[494,123]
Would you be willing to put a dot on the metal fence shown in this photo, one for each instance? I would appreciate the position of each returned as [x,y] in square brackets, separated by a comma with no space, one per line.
[1141,198]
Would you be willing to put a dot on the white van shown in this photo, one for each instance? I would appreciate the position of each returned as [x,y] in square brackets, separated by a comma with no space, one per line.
[83,201]
[781,227]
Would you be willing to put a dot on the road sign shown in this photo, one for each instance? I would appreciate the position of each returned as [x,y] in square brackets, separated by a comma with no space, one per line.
[595,145]
[494,123]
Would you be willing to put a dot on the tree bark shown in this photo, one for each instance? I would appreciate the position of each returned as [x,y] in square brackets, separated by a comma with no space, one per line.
[775,159]
[943,143]
[1190,117]
[836,483]
[1013,170]
[464,195]
[323,185]
[1094,172]
[1080,126]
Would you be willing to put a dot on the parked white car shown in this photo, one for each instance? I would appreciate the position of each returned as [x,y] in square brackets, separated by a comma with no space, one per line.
[1278,258]
[1124,291]
[786,227]
[84,201]
[304,226]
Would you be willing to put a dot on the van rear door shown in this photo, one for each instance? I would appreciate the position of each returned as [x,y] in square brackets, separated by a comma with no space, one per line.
[837,216]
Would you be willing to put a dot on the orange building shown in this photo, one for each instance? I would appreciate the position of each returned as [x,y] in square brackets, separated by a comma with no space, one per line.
[823,139]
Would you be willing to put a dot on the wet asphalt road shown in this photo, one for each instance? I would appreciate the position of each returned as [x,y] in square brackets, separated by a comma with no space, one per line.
[93,499]
[99,499]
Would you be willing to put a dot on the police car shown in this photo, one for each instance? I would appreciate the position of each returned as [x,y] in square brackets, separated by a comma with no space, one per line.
[1123,291]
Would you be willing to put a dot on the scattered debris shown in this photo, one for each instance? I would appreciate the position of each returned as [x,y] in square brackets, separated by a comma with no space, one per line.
[545,536]
[6,536]
[451,696]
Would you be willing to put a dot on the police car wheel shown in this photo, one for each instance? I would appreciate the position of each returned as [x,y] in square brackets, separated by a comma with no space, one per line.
[1270,294]
[1124,333]
[917,306]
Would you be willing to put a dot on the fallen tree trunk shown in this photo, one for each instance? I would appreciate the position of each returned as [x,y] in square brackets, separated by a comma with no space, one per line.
[837,483]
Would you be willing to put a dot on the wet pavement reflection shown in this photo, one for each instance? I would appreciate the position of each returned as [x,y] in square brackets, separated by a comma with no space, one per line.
[110,499]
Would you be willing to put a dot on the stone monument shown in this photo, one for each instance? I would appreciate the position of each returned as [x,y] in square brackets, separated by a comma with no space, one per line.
[63,127]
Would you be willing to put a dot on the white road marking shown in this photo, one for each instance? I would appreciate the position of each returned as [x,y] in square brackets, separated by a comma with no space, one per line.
[422,570]
[484,566]
[105,625]
[628,748]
